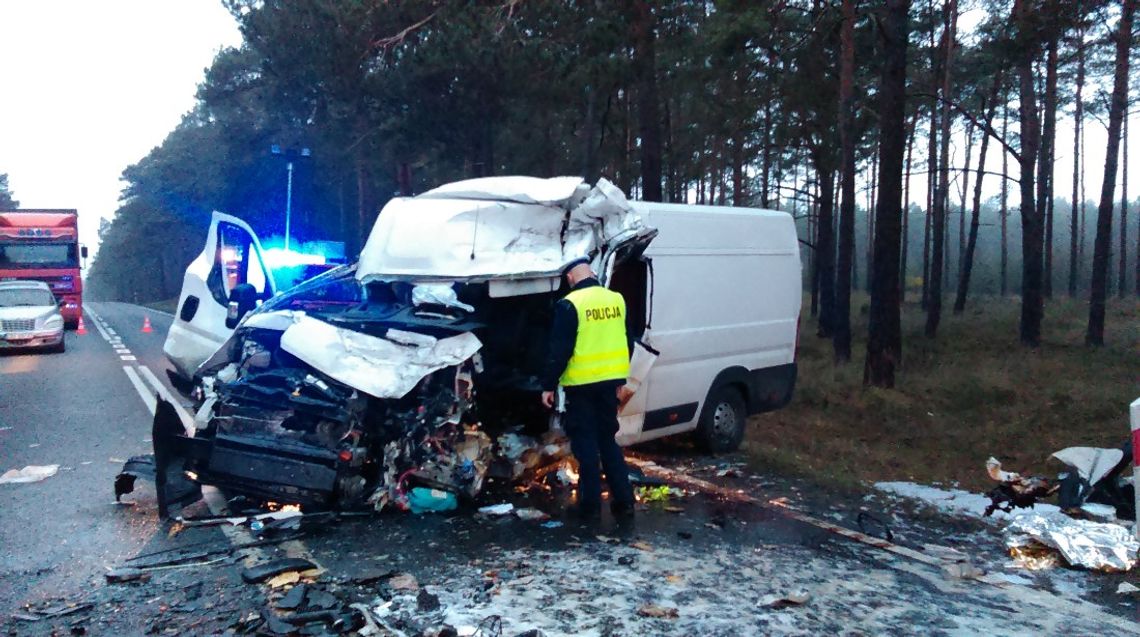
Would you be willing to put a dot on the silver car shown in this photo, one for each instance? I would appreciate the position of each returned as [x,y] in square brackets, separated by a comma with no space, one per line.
[29,316]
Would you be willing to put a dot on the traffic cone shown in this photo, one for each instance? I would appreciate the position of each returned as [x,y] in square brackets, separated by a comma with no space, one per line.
[146,325]
[81,329]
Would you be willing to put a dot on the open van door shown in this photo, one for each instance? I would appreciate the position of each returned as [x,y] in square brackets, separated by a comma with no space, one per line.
[624,269]
[225,281]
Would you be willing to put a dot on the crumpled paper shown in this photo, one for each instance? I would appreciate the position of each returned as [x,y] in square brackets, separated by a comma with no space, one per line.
[1093,545]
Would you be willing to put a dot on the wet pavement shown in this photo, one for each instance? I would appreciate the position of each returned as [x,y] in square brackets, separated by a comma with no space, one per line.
[695,563]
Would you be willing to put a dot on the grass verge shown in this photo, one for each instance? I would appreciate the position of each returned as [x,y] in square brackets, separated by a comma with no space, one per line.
[972,392]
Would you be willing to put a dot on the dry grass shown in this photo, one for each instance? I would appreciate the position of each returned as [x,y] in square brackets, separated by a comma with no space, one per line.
[971,393]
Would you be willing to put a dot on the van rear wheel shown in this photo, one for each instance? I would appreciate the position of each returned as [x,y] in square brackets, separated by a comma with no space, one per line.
[721,426]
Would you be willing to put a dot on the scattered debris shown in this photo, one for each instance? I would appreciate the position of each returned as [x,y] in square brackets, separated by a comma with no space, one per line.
[659,612]
[1094,475]
[796,598]
[52,612]
[30,473]
[963,570]
[1126,589]
[126,574]
[660,493]
[552,524]
[404,582]
[426,602]
[293,599]
[495,510]
[284,579]
[641,546]
[531,515]
[1083,543]
[262,572]
[282,514]
[424,500]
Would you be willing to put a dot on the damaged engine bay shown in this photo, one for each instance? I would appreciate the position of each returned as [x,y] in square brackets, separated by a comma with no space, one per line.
[355,387]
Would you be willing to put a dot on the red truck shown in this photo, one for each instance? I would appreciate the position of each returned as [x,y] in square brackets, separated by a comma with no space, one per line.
[43,245]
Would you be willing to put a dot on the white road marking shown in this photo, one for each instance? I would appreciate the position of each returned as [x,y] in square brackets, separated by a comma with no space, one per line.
[124,357]
[140,387]
[122,350]
[99,326]
[183,415]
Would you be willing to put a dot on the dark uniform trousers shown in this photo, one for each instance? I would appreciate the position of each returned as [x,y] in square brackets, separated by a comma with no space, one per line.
[591,423]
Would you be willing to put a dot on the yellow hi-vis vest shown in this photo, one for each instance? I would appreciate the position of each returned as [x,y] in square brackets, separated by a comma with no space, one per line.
[601,352]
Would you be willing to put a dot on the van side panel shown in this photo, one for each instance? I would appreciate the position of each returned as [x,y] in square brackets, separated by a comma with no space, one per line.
[725,297]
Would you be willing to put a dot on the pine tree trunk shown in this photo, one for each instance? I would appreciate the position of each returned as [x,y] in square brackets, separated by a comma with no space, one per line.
[906,210]
[1005,204]
[645,72]
[975,216]
[1074,214]
[871,220]
[884,341]
[1045,166]
[964,199]
[825,246]
[1032,225]
[1116,110]
[842,340]
[932,165]
[1122,289]
[934,303]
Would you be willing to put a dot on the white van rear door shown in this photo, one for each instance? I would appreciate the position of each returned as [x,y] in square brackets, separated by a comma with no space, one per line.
[232,256]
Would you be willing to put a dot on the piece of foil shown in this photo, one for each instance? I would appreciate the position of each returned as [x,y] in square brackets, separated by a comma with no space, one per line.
[1093,545]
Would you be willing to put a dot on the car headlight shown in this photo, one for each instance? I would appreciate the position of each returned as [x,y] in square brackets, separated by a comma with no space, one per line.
[53,321]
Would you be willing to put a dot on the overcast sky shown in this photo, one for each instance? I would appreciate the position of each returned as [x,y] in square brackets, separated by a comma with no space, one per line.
[91,86]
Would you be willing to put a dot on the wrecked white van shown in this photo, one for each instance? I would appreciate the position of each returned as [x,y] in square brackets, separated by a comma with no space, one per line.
[419,364]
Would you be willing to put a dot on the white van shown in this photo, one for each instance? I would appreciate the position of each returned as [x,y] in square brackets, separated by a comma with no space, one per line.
[450,304]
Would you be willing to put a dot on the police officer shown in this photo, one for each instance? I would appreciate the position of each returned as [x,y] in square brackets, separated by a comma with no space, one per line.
[589,357]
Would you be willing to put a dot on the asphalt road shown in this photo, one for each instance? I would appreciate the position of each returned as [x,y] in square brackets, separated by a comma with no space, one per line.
[78,410]
[712,560]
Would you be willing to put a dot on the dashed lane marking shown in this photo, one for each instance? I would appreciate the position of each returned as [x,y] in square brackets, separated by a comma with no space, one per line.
[140,387]
[183,415]
[127,358]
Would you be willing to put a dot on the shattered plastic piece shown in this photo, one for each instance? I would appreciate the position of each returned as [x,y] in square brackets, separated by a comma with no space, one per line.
[284,579]
[404,582]
[126,574]
[293,599]
[1092,545]
[262,572]
[1126,589]
[423,500]
[659,612]
[963,570]
[531,515]
[30,473]
[552,524]
[497,509]
[797,598]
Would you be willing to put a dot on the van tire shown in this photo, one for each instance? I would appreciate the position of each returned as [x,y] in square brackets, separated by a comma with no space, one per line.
[723,418]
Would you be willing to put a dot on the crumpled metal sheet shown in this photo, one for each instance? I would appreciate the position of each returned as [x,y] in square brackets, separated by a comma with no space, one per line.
[376,366]
[1092,545]
[495,227]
